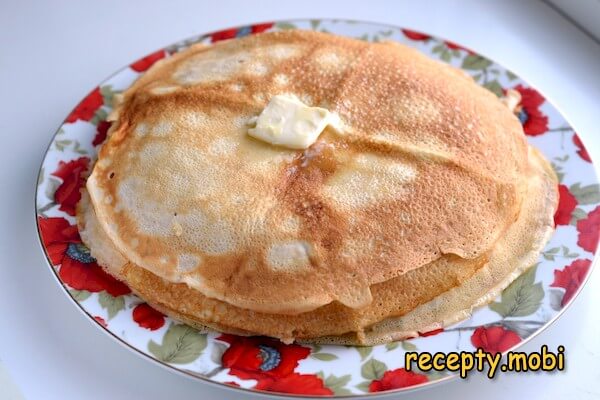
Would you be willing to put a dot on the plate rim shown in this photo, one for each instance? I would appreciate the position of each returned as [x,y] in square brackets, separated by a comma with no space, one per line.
[251,391]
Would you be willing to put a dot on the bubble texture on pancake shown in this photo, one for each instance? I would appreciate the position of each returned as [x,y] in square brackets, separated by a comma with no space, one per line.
[430,165]
[514,253]
[426,298]
[394,297]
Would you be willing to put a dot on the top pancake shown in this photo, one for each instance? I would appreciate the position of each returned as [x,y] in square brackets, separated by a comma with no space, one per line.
[429,164]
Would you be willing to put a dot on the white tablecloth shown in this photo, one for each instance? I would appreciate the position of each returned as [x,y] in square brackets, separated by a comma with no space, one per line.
[52,53]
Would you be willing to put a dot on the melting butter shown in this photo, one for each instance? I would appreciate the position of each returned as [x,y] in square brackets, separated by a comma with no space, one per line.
[288,122]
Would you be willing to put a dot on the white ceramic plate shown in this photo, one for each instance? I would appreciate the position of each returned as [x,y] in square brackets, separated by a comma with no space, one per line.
[524,309]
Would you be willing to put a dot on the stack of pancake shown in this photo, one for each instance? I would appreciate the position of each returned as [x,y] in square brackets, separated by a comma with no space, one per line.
[425,205]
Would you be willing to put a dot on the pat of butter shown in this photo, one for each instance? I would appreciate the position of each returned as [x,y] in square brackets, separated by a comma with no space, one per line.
[288,122]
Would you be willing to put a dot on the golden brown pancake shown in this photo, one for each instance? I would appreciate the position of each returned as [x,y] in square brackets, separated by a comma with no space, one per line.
[431,169]
[426,298]
[394,297]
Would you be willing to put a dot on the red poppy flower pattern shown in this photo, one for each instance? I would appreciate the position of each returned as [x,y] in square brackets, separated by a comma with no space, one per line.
[78,268]
[431,332]
[582,151]
[454,46]
[570,278]
[147,317]
[566,205]
[588,231]
[239,32]
[67,195]
[414,35]
[494,339]
[143,64]
[396,379]
[223,35]
[295,384]
[259,28]
[422,37]
[257,357]
[271,363]
[86,110]
[101,132]
[534,121]
[101,321]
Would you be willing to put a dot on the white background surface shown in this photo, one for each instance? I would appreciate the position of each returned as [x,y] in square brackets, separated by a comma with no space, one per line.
[54,52]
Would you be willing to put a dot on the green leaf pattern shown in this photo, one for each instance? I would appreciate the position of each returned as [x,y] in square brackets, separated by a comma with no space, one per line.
[112,304]
[521,298]
[337,384]
[475,63]
[181,344]
[80,295]
[324,356]
[392,346]
[408,346]
[364,351]
[585,195]
[363,386]
[373,369]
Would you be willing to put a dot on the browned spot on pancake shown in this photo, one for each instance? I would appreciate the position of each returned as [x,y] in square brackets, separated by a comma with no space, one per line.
[445,157]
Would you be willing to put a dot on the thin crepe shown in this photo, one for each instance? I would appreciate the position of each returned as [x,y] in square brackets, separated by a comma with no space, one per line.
[430,165]
[414,302]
